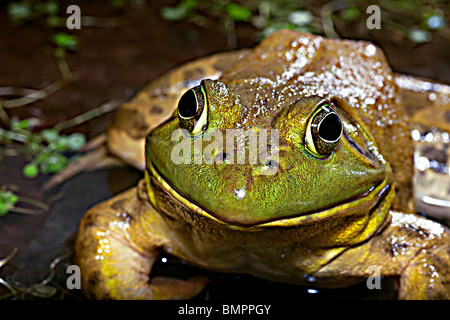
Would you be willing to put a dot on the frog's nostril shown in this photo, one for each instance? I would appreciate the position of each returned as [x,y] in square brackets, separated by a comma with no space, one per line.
[272,164]
[225,156]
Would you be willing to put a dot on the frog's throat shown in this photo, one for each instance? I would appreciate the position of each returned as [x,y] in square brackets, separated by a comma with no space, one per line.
[382,195]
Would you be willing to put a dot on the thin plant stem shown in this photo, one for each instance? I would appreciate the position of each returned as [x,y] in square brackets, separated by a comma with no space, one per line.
[32,97]
[103,109]
[3,115]
[327,17]
[3,262]
[53,266]
[33,202]
[62,64]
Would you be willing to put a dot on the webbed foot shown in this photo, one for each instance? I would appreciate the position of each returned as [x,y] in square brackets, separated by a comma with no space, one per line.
[116,254]
[411,248]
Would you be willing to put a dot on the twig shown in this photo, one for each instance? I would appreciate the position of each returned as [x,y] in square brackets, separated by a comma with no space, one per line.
[30,212]
[16,91]
[3,262]
[33,202]
[104,108]
[62,64]
[327,17]
[6,259]
[230,30]
[10,288]
[52,268]
[3,115]
[35,95]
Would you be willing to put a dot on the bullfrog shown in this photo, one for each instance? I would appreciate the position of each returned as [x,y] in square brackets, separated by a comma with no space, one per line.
[328,199]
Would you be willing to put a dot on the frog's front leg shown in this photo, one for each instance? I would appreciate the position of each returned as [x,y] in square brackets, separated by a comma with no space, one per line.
[115,251]
[411,248]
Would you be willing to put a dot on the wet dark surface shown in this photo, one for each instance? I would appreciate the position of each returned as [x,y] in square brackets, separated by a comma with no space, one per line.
[114,63]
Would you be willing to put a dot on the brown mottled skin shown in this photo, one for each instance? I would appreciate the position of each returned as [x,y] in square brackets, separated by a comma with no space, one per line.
[290,235]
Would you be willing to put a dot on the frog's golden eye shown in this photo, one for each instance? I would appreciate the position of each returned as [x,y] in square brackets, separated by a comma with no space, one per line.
[323,132]
[192,110]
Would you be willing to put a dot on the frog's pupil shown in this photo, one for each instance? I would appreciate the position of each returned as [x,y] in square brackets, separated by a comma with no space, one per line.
[330,127]
[187,106]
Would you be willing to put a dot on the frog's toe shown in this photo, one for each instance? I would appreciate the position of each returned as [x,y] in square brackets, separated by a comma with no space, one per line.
[116,255]
[427,275]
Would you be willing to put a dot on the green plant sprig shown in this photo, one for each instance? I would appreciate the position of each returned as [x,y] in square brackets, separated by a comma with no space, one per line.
[9,202]
[45,150]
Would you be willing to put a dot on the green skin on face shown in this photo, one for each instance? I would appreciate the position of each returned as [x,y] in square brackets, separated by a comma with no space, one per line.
[286,93]
[303,183]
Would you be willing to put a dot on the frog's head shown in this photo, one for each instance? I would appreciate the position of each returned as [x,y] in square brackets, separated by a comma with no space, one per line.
[321,159]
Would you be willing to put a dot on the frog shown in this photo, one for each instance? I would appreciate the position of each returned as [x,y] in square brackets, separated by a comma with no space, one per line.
[332,200]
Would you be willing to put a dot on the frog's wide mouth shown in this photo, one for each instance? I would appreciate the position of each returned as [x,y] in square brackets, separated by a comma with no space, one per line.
[370,200]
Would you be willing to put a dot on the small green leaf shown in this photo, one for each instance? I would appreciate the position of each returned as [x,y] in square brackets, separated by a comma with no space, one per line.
[55,21]
[178,12]
[62,144]
[34,147]
[117,3]
[8,197]
[30,171]
[3,208]
[42,157]
[50,135]
[237,12]
[3,211]
[189,4]
[17,125]
[54,163]
[19,12]
[66,41]
[350,14]
[12,198]
[173,13]
[24,124]
[419,36]
[48,7]
[76,141]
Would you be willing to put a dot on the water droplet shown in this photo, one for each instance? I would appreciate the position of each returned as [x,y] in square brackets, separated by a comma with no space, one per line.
[369,100]
[240,193]
[435,22]
[415,134]
[432,96]
[370,50]
[313,291]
